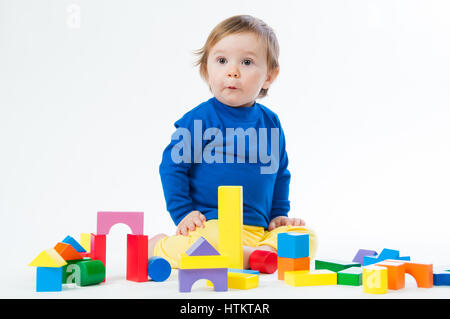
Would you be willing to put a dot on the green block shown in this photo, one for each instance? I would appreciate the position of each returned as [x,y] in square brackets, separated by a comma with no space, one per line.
[334,265]
[350,276]
[68,270]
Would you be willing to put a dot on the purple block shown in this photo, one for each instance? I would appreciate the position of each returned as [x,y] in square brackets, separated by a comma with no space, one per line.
[359,257]
[218,276]
[202,248]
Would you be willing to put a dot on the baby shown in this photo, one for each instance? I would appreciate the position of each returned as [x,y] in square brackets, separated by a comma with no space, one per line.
[239,62]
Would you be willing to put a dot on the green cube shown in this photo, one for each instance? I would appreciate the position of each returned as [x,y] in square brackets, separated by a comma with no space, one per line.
[350,276]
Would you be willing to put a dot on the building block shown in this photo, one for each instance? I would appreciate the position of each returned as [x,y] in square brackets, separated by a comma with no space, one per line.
[71,241]
[218,276]
[293,245]
[67,252]
[375,279]
[202,248]
[105,220]
[396,274]
[98,248]
[334,265]
[203,262]
[48,279]
[422,273]
[92,272]
[242,281]
[291,264]
[441,276]
[359,257]
[48,258]
[68,270]
[384,255]
[85,241]
[86,254]
[159,269]
[244,271]
[137,258]
[301,278]
[350,276]
[230,201]
[264,261]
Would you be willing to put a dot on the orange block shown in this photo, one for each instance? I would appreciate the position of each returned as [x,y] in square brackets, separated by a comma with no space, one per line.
[422,273]
[291,264]
[396,274]
[67,252]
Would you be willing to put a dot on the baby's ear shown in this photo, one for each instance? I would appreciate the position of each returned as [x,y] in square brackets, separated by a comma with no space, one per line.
[271,76]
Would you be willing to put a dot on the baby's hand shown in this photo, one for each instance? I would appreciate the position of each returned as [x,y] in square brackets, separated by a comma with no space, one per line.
[190,222]
[284,221]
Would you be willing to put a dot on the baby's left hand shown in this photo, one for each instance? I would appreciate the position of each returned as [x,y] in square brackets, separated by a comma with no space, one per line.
[284,221]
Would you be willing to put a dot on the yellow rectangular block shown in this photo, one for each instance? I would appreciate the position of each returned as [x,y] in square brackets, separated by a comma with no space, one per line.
[375,279]
[85,241]
[302,278]
[240,281]
[230,224]
[203,262]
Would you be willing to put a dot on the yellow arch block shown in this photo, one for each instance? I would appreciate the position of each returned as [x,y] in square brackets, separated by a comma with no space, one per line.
[375,279]
[48,258]
[301,278]
[203,262]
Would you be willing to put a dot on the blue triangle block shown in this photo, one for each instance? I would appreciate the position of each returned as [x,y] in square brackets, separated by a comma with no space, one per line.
[69,240]
[202,248]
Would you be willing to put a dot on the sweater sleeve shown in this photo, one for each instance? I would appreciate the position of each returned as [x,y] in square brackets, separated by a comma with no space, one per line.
[280,200]
[174,171]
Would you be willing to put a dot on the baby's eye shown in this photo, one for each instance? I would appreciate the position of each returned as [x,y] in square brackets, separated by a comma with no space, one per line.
[222,60]
[247,62]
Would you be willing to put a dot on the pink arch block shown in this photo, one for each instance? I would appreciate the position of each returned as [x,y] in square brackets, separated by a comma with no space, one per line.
[105,220]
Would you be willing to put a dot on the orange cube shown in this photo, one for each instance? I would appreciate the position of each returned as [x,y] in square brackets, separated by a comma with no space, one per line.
[291,264]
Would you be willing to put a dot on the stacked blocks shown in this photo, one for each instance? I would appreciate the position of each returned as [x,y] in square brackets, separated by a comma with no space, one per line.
[203,261]
[293,253]
[49,270]
[359,257]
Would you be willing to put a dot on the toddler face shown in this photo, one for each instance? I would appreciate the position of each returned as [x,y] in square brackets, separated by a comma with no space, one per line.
[237,69]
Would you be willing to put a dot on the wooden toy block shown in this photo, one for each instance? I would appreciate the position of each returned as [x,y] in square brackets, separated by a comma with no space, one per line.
[396,274]
[137,258]
[441,276]
[48,279]
[350,276]
[85,241]
[159,269]
[244,271]
[242,280]
[230,224]
[98,248]
[384,255]
[92,272]
[203,262]
[71,241]
[334,265]
[86,254]
[291,264]
[375,279]
[264,261]
[422,273]
[105,220]
[48,258]
[218,276]
[67,252]
[293,245]
[68,270]
[359,257]
[202,248]
[301,278]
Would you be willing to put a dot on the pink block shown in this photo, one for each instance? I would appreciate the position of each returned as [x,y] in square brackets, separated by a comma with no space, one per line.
[105,220]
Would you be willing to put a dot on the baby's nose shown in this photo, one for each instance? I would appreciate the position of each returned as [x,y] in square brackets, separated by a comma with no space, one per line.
[233,73]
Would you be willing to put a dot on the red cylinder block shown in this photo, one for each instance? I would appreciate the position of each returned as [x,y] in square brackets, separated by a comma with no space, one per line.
[264,261]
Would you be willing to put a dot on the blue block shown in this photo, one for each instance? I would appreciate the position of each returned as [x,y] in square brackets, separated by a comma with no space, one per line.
[385,254]
[293,245]
[158,268]
[48,279]
[69,240]
[441,277]
[244,271]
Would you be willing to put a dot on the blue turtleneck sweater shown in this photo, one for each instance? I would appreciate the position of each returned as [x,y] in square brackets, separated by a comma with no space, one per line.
[216,144]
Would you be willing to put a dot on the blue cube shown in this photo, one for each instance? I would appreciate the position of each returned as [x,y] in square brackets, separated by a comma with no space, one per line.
[293,245]
[48,279]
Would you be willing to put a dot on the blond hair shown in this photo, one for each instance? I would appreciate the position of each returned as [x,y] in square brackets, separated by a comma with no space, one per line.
[239,24]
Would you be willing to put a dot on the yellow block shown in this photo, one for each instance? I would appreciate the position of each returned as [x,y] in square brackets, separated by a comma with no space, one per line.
[375,279]
[85,241]
[300,278]
[230,224]
[238,280]
[203,262]
[48,258]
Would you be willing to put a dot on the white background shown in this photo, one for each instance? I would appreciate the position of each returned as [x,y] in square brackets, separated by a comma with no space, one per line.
[87,106]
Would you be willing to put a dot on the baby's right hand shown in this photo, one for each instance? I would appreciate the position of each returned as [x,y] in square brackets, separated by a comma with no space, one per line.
[190,222]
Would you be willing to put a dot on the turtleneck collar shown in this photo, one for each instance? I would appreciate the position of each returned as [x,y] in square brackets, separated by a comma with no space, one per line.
[240,114]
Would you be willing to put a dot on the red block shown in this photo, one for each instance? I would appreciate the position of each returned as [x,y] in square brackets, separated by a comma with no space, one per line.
[137,258]
[98,249]
[264,261]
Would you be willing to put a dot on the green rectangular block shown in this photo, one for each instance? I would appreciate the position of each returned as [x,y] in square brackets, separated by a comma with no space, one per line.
[350,276]
[334,265]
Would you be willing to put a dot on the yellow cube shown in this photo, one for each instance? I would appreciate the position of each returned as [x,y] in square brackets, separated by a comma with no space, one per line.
[375,279]
[237,280]
[203,262]
[301,278]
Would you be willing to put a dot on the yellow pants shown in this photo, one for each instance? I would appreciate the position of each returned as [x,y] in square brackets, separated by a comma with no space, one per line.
[171,247]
